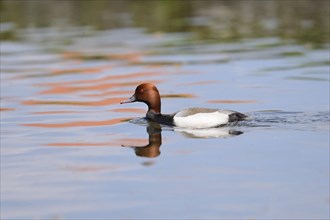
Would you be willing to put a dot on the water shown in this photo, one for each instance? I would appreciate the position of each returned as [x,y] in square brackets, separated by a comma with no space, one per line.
[69,150]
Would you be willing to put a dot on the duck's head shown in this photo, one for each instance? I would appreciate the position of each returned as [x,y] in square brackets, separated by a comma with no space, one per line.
[147,93]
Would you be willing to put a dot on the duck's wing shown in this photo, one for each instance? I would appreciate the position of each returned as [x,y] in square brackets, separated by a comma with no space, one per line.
[193,111]
[205,117]
[200,118]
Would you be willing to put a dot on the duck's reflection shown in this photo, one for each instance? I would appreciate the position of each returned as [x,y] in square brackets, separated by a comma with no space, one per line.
[221,132]
[154,130]
[150,150]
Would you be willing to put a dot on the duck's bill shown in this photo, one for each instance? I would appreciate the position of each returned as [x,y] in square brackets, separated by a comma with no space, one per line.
[132,99]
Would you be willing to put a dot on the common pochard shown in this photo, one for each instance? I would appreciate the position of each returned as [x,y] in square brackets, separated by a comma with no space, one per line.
[187,118]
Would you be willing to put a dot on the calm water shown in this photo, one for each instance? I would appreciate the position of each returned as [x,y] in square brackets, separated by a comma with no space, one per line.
[69,150]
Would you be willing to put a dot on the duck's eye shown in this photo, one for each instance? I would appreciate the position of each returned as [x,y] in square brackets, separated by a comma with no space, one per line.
[141,91]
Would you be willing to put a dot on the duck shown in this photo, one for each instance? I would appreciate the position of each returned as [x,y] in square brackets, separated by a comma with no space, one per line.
[194,118]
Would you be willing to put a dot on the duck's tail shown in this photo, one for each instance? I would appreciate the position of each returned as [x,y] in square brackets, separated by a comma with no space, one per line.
[237,116]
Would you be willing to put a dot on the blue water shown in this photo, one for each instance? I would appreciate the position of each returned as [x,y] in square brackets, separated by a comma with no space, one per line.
[69,150]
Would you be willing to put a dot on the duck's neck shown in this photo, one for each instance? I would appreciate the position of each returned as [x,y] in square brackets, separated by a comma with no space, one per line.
[155,106]
[154,109]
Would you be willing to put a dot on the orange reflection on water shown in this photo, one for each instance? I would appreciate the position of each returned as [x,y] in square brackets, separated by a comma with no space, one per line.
[131,57]
[7,109]
[79,70]
[103,102]
[63,89]
[101,80]
[78,123]
[54,112]
[227,101]
[108,93]
[60,89]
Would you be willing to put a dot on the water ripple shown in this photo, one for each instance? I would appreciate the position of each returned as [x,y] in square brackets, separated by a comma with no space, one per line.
[311,121]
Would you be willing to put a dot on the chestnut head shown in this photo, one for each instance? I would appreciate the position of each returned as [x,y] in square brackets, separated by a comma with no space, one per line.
[148,94]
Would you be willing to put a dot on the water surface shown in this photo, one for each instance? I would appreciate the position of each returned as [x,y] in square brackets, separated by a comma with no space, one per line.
[70,150]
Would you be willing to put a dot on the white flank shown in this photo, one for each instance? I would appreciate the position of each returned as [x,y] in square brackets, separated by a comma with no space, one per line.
[201,120]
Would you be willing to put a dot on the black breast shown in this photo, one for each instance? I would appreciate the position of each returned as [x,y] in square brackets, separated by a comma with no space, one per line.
[160,118]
